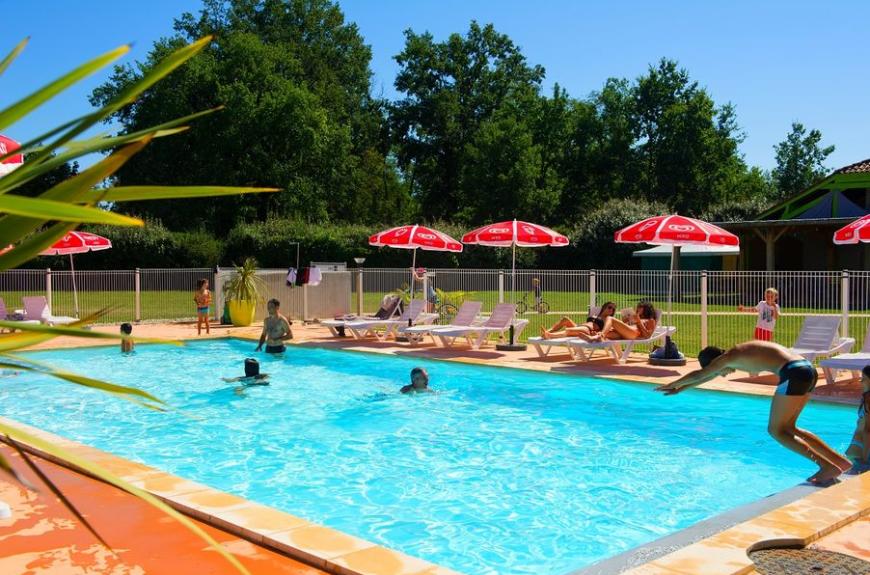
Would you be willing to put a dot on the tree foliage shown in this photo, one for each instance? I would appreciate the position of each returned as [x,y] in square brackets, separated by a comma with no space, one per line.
[799,160]
[293,78]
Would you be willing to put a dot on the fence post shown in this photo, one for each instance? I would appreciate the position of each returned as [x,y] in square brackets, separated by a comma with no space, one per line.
[218,295]
[359,291]
[137,286]
[844,303]
[592,288]
[500,286]
[704,326]
[48,287]
[304,303]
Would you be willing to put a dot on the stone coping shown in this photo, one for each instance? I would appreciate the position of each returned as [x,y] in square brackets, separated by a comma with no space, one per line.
[322,547]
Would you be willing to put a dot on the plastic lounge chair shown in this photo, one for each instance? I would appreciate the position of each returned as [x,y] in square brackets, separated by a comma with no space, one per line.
[386,311]
[413,312]
[465,317]
[36,308]
[4,316]
[819,337]
[620,349]
[853,362]
[544,346]
[498,322]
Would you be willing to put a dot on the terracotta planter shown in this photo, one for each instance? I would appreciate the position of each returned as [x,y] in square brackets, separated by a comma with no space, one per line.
[242,312]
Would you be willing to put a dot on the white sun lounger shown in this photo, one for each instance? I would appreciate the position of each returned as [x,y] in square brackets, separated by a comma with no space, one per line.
[819,337]
[385,312]
[465,317]
[4,316]
[544,346]
[36,308]
[620,349]
[499,322]
[413,313]
[853,362]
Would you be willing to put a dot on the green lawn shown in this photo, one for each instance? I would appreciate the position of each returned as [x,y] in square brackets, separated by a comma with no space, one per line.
[725,326]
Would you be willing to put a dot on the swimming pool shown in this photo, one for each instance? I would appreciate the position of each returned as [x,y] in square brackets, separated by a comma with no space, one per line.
[502,471]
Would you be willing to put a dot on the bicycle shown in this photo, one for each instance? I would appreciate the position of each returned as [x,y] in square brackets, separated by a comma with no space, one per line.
[539,306]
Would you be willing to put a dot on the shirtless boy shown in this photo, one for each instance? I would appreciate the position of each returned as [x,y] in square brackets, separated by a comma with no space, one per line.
[797,378]
[276,329]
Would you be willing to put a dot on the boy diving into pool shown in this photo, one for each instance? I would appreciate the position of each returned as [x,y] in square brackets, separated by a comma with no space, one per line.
[797,378]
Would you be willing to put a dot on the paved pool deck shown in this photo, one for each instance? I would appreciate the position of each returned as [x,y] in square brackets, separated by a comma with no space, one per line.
[836,518]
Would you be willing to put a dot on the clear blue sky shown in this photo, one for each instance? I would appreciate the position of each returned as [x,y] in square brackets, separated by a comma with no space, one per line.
[776,61]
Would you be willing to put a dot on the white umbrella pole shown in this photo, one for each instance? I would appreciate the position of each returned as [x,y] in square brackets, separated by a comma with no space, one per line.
[75,292]
[671,282]
[413,275]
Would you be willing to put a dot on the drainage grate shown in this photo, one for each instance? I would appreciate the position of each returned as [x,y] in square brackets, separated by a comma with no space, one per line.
[807,562]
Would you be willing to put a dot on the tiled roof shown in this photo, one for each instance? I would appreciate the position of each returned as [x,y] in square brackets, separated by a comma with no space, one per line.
[856,168]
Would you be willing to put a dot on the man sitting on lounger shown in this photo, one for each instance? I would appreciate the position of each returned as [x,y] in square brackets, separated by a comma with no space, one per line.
[643,327]
[588,331]
[797,378]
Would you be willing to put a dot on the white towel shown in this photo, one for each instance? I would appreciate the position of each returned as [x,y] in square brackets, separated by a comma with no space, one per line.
[314,276]
[291,277]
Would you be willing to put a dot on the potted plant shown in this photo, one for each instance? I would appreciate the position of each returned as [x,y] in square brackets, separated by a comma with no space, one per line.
[243,292]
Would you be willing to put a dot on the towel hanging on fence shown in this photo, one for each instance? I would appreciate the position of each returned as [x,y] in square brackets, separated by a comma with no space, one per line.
[315,276]
[291,277]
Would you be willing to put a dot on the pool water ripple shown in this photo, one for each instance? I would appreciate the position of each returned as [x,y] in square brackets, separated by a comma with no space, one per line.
[500,472]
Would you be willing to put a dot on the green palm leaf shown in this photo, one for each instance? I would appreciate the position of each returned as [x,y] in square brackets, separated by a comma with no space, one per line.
[141,193]
[29,103]
[62,211]
[104,475]
[58,330]
[13,54]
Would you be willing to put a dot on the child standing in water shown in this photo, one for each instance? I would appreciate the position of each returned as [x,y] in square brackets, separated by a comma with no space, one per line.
[126,343]
[768,313]
[202,298]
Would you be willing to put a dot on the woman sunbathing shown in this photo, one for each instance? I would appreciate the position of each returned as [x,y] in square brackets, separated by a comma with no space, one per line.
[642,328]
[589,331]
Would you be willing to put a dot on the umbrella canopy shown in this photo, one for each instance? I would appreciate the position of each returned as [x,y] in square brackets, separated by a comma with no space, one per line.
[76,243]
[857,231]
[8,145]
[515,233]
[414,238]
[675,230]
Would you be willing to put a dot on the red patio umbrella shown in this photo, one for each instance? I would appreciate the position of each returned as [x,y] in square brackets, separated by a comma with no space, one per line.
[857,231]
[8,145]
[77,243]
[414,238]
[675,231]
[512,234]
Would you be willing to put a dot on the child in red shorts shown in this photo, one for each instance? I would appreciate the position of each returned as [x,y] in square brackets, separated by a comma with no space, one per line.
[768,313]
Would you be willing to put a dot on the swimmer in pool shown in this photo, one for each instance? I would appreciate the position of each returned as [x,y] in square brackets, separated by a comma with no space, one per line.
[419,382]
[276,329]
[859,449]
[252,374]
[797,378]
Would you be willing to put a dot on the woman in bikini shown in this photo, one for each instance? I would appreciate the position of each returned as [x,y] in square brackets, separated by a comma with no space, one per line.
[645,324]
[591,330]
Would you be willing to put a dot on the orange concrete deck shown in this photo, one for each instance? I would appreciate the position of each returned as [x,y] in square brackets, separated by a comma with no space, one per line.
[43,537]
[835,518]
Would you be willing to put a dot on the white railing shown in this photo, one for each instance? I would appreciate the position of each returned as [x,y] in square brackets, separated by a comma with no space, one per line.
[704,310]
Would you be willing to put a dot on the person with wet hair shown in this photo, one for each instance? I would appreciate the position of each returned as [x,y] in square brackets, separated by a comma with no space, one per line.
[797,379]
[419,382]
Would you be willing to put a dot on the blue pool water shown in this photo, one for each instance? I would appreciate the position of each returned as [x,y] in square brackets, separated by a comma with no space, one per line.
[501,472]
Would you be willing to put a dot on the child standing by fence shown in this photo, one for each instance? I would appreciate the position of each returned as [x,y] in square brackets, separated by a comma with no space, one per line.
[202,298]
[768,313]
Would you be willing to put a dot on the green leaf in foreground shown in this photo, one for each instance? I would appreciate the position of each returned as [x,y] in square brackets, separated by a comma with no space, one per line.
[104,475]
[13,54]
[142,193]
[62,211]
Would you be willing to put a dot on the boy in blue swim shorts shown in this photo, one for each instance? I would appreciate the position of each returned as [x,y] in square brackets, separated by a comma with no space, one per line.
[797,379]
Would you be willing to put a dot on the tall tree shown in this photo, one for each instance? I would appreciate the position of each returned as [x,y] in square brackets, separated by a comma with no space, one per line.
[451,89]
[799,160]
[294,78]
